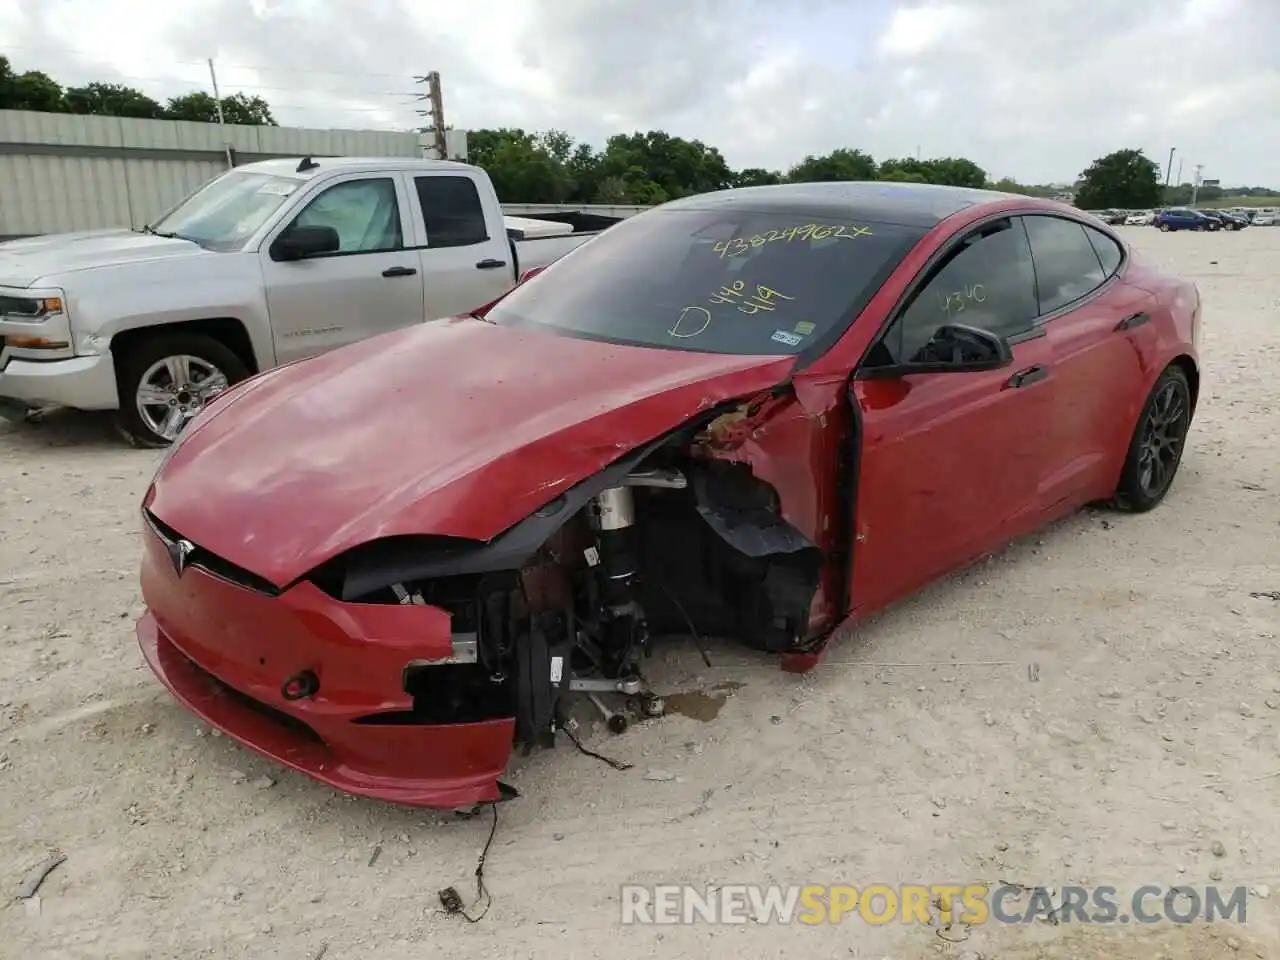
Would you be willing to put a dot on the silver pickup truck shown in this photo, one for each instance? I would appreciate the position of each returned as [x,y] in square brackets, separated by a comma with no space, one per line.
[268,263]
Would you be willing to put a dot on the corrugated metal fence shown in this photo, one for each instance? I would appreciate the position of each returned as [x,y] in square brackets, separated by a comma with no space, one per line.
[60,172]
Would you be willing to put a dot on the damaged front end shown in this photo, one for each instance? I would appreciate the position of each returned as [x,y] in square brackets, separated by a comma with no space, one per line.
[405,668]
[675,538]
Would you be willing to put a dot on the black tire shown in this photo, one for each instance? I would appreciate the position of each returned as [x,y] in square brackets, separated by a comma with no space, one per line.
[139,356]
[1165,228]
[1140,488]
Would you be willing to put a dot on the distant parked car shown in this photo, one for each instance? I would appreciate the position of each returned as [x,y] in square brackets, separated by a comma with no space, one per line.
[1111,217]
[1264,219]
[1234,221]
[1184,218]
[1140,218]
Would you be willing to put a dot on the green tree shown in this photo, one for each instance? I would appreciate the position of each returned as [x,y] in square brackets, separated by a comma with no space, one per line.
[1124,180]
[951,171]
[756,177]
[247,110]
[112,100]
[557,143]
[658,165]
[237,108]
[840,164]
[956,172]
[520,165]
[611,191]
[900,175]
[32,90]
[583,167]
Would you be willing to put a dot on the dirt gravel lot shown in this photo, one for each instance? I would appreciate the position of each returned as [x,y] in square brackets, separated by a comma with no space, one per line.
[923,752]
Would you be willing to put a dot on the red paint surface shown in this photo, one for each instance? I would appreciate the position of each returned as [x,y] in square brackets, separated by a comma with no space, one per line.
[462,428]
[199,627]
[456,427]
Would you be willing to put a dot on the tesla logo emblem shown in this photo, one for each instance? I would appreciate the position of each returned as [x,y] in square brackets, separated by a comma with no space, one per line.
[179,551]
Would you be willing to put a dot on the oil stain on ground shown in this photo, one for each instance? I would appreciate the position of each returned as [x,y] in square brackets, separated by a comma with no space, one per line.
[702,705]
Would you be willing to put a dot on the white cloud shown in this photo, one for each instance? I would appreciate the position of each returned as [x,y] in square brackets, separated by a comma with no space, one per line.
[919,31]
[1035,90]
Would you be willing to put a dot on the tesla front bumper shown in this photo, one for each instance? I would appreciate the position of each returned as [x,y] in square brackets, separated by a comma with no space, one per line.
[227,651]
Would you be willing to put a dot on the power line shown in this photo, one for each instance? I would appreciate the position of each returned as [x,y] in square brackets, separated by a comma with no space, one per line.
[259,86]
[201,85]
[97,57]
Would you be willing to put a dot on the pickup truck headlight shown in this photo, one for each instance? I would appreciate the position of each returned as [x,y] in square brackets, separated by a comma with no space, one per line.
[34,311]
[30,308]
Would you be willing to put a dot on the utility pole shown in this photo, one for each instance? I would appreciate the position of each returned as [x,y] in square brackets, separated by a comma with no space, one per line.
[435,110]
[1168,170]
[1180,162]
[222,124]
[1195,184]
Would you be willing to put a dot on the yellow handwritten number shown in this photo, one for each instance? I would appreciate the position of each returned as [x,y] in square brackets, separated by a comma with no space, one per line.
[808,231]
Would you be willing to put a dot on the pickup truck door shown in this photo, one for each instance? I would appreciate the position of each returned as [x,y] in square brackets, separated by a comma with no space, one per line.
[466,257]
[371,285]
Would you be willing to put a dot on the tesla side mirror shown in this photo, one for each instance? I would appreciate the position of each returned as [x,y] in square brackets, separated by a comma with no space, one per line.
[958,348]
[301,242]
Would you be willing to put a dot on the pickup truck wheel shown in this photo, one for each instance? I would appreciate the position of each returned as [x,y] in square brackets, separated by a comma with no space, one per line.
[165,381]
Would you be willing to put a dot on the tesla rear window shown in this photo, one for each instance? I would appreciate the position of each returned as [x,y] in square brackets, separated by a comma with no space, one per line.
[715,281]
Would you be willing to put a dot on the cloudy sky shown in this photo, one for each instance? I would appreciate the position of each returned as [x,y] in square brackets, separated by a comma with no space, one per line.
[1033,89]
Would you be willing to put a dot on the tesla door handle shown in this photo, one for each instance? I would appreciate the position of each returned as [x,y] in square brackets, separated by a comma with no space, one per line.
[1134,320]
[490,264]
[399,272]
[1024,378]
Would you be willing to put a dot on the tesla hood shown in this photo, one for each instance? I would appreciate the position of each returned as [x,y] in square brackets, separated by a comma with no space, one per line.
[455,427]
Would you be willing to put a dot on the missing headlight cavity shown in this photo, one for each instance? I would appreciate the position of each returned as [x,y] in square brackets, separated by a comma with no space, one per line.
[568,601]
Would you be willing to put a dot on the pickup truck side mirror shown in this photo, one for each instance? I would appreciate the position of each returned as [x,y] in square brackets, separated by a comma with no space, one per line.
[302,241]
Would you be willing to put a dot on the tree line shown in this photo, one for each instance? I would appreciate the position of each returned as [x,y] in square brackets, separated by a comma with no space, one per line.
[643,169]
[34,90]
[649,168]
[1130,180]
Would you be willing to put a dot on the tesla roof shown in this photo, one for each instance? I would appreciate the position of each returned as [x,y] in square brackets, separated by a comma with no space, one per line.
[909,204]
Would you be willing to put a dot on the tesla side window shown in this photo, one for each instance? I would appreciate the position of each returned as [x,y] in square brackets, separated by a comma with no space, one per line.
[1067,268]
[1108,250]
[988,283]
[365,213]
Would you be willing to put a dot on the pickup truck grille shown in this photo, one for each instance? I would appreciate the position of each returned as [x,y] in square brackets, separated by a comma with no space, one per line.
[213,564]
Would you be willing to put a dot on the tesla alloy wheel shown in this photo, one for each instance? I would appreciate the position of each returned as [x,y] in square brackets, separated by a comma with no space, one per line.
[1156,448]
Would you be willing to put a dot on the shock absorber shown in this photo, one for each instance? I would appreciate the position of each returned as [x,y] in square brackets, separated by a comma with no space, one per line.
[613,517]
[621,619]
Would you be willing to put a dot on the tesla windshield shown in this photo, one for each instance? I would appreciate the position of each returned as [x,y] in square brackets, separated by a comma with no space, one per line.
[715,280]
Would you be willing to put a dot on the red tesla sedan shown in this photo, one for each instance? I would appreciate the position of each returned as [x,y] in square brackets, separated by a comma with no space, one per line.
[757,413]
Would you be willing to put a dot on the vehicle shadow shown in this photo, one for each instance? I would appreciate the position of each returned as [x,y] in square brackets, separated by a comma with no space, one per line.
[61,429]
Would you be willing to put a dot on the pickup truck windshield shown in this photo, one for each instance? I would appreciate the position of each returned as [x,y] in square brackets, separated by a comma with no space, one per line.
[227,211]
[714,280]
